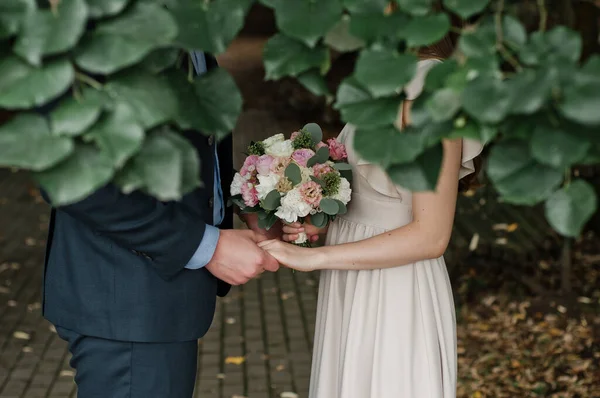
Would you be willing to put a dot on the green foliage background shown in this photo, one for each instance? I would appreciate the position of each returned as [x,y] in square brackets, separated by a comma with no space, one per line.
[122,62]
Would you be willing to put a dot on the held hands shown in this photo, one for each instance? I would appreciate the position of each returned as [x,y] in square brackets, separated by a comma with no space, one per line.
[292,256]
[251,220]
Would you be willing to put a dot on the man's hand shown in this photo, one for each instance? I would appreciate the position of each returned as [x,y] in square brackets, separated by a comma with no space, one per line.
[251,220]
[238,258]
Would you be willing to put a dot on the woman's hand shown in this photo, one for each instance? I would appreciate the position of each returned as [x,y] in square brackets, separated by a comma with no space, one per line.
[292,256]
[291,231]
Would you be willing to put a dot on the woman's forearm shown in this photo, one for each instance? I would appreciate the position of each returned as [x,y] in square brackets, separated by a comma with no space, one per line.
[401,246]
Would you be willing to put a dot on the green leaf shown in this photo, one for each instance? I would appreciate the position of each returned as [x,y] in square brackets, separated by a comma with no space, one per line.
[342,166]
[319,220]
[292,172]
[190,163]
[478,44]
[318,181]
[105,8]
[570,208]
[444,104]
[386,145]
[466,129]
[384,72]
[557,148]
[307,21]
[320,157]
[343,209]
[26,142]
[151,97]
[420,175]
[513,32]
[284,56]
[82,173]
[487,100]
[118,134]
[439,73]
[358,107]
[340,39]
[314,82]
[211,104]
[564,43]
[124,41]
[466,8]
[581,103]
[329,206]
[531,90]
[272,200]
[26,86]
[355,6]
[377,27]
[535,50]
[160,59]
[75,115]
[12,14]
[315,131]
[426,30]
[517,177]
[209,26]
[46,33]
[415,7]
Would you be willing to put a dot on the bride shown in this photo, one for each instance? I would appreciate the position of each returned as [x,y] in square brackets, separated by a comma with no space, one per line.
[386,323]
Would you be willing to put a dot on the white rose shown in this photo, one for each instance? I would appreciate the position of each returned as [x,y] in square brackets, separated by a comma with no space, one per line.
[302,238]
[344,192]
[236,185]
[282,149]
[272,140]
[292,207]
[266,183]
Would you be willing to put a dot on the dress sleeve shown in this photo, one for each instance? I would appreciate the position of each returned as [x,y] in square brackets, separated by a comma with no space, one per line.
[470,150]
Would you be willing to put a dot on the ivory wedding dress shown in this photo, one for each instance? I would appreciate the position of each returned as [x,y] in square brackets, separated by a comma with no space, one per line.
[385,333]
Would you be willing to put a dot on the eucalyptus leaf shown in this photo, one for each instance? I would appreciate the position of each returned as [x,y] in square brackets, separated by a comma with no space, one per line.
[46,33]
[272,200]
[120,42]
[342,166]
[421,174]
[517,177]
[384,72]
[292,172]
[77,177]
[315,131]
[319,220]
[284,56]
[466,8]
[329,206]
[426,30]
[209,26]
[343,209]
[118,133]
[26,86]
[12,14]
[570,208]
[105,8]
[320,157]
[307,21]
[318,181]
[557,148]
[26,142]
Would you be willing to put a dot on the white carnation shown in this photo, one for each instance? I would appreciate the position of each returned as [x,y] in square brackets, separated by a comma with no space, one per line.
[306,173]
[302,238]
[344,192]
[274,139]
[266,183]
[292,207]
[236,185]
[282,149]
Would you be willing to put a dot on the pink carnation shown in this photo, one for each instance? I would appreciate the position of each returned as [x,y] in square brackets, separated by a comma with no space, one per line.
[249,168]
[301,156]
[263,165]
[311,193]
[320,145]
[294,135]
[337,150]
[249,194]
[279,165]
[320,169]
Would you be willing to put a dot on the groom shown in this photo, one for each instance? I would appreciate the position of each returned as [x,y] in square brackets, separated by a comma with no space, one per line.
[131,283]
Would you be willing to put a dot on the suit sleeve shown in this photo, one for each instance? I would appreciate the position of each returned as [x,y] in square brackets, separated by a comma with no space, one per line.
[168,234]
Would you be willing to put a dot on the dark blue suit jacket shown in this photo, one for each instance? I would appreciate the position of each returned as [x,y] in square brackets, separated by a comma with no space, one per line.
[115,263]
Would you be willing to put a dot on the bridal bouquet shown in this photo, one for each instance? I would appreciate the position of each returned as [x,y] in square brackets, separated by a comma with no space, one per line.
[290,179]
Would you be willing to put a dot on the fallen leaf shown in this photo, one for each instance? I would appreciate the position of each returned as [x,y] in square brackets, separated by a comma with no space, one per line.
[474,243]
[288,394]
[235,360]
[11,303]
[512,227]
[67,373]
[21,335]
[27,349]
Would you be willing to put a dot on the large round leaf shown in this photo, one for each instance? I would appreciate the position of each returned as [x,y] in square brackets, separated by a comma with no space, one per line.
[486,99]
[426,30]
[420,175]
[374,6]
[26,86]
[384,72]
[123,41]
[209,26]
[210,104]
[45,32]
[284,56]
[558,148]
[307,21]
[26,142]
[340,39]
[160,59]
[466,8]
[387,145]
[314,82]
[581,103]
[519,178]
[531,90]
[480,43]
[190,163]
[444,104]
[565,43]
[416,7]
[12,14]
[82,173]
[570,208]
[118,134]
[514,33]
[150,96]
[377,27]
[75,115]
[105,8]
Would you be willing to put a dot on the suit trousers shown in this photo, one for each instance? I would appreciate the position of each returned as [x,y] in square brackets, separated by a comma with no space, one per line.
[121,369]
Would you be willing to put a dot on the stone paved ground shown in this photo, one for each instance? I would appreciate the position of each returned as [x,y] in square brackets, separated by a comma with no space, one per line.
[259,345]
